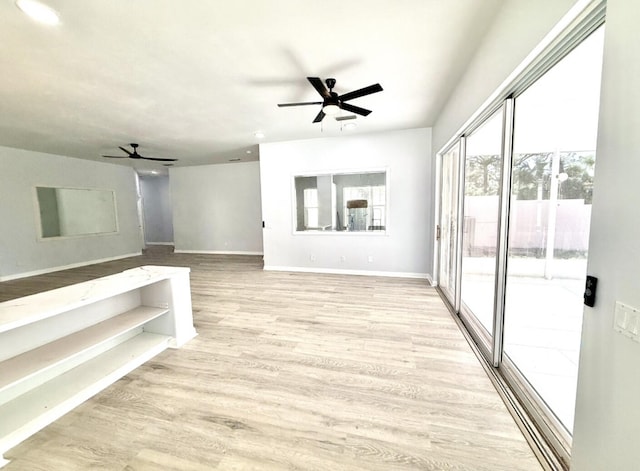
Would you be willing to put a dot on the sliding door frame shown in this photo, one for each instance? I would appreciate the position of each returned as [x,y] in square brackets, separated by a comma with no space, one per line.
[450,293]
[503,231]
[551,441]
[460,218]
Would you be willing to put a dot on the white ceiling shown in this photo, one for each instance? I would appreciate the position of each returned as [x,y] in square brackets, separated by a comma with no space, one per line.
[195,79]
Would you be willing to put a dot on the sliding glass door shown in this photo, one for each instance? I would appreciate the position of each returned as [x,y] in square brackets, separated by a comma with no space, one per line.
[448,226]
[554,142]
[481,213]
[514,226]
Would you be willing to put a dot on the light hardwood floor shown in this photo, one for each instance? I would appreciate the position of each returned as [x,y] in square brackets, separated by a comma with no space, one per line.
[289,371]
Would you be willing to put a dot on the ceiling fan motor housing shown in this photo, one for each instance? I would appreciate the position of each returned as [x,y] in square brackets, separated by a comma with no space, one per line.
[332,99]
[135,155]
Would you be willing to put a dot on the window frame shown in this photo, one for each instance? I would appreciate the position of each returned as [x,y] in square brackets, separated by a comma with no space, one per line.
[332,232]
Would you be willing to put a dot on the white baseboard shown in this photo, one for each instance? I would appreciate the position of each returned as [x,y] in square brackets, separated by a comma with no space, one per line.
[336,271]
[16,276]
[158,243]
[218,252]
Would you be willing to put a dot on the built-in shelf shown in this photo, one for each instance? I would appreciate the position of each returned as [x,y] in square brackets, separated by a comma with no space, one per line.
[39,407]
[58,348]
[60,354]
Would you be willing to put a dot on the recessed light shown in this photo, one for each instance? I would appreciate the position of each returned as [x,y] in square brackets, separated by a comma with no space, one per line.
[259,134]
[38,11]
[248,152]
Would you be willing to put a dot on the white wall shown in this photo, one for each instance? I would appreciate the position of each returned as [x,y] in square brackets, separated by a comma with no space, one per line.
[156,209]
[216,208]
[21,252]
[404,250]
[518,28]
[607,426]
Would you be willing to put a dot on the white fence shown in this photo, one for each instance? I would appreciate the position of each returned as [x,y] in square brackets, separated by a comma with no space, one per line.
[528,226]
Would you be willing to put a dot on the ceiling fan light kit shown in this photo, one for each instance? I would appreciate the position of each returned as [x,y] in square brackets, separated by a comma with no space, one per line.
[331,102]
[331,110]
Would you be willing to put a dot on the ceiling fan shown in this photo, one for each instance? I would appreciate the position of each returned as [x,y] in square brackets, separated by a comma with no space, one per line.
[135,155]
[331,102]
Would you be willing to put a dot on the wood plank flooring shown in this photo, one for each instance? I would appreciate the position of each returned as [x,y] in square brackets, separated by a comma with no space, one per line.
[290,371]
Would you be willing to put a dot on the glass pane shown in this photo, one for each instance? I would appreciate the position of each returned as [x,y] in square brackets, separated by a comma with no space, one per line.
[341,202]
[554,155]
[311,217]
[70,212]
[378,195]
[483,167]
[311,198]
[449,221]
[364,207]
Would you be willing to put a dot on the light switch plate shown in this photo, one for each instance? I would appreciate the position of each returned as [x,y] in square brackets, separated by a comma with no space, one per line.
[627,321]
[632,325]
[620,318]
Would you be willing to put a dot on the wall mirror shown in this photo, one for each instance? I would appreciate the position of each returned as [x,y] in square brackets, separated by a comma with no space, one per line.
[343,202]
[69,212]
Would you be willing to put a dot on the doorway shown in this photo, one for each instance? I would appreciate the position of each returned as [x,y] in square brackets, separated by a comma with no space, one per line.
[157,215]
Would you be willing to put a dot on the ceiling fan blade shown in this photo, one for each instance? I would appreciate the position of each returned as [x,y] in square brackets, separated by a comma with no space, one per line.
[355,109]
[319,117]
[344,118]
[319,86]
[157,159]
[300,104]
[362,92]
[125,150]
[116,156]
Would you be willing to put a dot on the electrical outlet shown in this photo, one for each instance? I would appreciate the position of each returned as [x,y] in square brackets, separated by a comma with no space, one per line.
[312,258]
[343,258]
